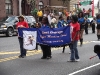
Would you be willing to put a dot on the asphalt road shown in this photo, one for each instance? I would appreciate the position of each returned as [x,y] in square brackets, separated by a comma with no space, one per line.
[10,64]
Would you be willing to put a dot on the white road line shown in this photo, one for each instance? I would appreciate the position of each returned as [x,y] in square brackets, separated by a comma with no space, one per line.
[84,69]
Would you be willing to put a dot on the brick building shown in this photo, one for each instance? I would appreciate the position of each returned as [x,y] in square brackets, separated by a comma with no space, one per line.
[73,4]
[16,7]
[60,3]
[8,7]
[70,4]
[42,3]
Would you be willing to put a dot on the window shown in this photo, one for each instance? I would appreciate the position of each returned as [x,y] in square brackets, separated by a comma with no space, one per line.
[8,7]
[41,5]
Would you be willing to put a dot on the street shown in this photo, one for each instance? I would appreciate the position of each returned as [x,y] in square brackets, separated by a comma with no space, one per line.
[10,64]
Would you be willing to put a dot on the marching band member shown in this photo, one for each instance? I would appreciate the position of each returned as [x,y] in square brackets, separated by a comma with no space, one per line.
[81,21]
[98,26]
[93,24]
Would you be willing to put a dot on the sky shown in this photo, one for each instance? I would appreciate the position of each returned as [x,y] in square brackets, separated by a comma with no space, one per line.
[95,2]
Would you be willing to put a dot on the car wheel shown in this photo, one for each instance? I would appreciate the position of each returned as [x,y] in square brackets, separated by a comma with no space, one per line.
[10,32]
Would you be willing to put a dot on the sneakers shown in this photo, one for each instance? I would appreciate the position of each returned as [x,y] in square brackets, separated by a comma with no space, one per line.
[21,56]
[71,61]
[76,60]
[43,57]
[49,57]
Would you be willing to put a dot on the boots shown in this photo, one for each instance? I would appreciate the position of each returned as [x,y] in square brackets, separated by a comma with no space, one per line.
[81,41]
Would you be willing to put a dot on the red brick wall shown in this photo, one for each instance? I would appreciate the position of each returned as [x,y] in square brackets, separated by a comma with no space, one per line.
[2,9]
[15,7]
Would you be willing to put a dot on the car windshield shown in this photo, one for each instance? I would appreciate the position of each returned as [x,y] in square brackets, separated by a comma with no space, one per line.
[12,19]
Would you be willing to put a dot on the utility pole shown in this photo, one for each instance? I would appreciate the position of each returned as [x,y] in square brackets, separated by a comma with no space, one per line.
[20,8]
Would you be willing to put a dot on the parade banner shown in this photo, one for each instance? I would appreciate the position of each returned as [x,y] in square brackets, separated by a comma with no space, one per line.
[29,40]
[50,36]
[54,36]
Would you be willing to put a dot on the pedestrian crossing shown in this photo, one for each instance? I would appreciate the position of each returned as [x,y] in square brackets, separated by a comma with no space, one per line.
[29,53]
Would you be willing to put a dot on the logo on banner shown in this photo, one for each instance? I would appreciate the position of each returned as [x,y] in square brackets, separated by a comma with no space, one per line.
[29,41]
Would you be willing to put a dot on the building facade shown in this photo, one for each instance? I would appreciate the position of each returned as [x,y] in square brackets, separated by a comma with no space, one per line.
[99,6]
[73,4]
[60,3]
[20,7]
[8,7]
[42,3]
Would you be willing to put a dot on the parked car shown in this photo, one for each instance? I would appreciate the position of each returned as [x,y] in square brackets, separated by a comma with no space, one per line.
[8,24]
[31,21]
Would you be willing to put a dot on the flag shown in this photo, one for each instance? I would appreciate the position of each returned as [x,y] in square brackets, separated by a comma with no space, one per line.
[29,40]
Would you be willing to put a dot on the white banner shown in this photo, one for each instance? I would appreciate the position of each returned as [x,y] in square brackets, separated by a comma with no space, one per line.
[29,40]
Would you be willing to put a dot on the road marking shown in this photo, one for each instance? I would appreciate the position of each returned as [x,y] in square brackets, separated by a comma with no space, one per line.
[15,57]
[7,59]
[30,53]
[84,69]
[16,52]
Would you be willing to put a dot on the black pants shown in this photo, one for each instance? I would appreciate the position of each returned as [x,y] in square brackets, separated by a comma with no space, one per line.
[40,19]
[46,50]
[22,50]
[86,28]
[36,46]
[93,28]
[64,47]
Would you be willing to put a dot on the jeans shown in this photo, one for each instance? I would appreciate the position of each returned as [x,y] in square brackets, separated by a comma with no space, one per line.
[22,50]
[74,51]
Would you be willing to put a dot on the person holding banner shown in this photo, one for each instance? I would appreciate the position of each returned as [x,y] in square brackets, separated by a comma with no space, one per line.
[75,37]
[21,24]
[45,48]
